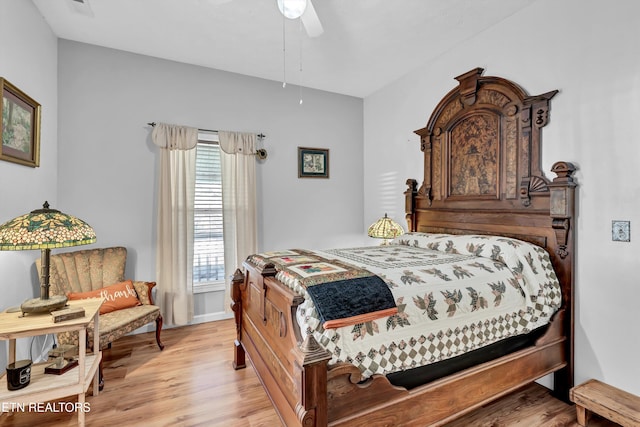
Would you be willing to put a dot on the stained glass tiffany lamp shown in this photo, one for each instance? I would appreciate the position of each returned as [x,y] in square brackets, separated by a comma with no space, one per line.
[44,229]
[385,228]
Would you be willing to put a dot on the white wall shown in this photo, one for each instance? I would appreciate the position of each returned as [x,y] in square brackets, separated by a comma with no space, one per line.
[589,51]
[28,59]
[108,164]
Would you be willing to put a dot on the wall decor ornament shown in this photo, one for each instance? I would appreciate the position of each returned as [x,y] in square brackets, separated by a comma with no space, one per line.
[313,162]
[20,126]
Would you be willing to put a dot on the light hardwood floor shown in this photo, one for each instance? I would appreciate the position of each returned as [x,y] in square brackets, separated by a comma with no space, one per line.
[192,383]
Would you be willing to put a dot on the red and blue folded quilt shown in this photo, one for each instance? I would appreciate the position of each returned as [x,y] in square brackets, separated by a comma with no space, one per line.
[342,293]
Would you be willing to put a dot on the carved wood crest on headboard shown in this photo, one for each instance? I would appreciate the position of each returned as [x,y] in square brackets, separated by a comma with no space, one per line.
[482,152]
[482,142]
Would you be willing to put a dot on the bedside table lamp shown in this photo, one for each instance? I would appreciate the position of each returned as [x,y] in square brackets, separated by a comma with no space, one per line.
[385,228]
[44,229]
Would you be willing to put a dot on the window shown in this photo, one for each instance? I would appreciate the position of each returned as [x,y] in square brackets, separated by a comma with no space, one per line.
[208,245]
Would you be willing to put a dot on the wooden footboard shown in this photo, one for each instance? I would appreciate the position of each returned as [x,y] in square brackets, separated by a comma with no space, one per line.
[294,373]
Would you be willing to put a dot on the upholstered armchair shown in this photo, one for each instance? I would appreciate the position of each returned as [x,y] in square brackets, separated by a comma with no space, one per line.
[92,270]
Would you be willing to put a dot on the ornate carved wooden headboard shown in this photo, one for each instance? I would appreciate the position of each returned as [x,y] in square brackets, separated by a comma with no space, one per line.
[482,142]
[482,172]
[482,153]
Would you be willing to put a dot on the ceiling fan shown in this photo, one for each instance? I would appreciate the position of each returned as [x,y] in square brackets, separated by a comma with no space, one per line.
[303,9]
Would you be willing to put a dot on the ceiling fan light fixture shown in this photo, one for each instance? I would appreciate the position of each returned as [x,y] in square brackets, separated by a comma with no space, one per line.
[292,9]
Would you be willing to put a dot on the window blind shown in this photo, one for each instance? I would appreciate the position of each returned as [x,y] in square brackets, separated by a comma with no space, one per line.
[208,251]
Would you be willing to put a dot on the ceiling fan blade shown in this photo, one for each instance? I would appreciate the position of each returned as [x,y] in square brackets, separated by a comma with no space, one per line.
[81,6]
[311,21]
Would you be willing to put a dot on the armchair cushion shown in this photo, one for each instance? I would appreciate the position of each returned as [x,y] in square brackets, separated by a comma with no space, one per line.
[116,297]
[115,325]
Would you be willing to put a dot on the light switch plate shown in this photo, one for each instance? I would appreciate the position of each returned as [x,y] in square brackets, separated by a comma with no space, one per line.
[621,231]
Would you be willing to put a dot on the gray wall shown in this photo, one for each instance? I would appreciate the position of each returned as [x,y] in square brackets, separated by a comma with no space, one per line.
[28,59]
[98,162]
[589,51]
[108,165]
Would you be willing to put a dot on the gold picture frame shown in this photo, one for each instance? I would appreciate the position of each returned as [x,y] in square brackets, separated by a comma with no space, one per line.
[20,126]
[313,162]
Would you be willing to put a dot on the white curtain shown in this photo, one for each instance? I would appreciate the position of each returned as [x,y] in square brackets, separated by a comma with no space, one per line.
[238,200]
[174,252]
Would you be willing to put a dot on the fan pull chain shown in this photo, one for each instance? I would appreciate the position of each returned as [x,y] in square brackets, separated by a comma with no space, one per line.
[284,54]
[301,41]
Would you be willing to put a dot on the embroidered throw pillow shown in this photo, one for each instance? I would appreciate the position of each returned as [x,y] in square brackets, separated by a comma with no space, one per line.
[118,296]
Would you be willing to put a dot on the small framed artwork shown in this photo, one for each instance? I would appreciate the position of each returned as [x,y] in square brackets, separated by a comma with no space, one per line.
[20,126]
[313,162]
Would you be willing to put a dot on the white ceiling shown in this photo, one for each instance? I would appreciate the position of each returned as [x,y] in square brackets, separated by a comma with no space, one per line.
[366,44]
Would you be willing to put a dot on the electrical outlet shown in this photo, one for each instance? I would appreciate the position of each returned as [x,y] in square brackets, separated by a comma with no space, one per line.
[621,231]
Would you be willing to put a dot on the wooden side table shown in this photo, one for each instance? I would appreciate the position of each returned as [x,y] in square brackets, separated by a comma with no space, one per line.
[44,387]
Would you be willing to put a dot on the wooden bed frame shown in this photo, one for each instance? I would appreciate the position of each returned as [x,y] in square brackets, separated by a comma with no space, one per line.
[482,175]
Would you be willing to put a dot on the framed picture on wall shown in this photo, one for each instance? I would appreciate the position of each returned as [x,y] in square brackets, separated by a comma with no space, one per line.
[313,162]
[20,126]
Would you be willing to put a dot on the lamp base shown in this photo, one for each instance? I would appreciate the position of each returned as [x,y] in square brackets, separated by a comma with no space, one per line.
[39,305]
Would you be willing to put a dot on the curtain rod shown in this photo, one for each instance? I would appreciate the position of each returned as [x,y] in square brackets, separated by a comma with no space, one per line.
[260,135]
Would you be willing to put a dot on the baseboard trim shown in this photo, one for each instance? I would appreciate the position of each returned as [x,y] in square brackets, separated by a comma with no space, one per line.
[210,317]
[200,318]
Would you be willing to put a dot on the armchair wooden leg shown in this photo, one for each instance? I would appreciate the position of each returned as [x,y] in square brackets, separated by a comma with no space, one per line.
[158,330]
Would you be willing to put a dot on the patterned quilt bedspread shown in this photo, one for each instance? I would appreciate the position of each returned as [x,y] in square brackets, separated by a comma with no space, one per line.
[342,294]
[453,294]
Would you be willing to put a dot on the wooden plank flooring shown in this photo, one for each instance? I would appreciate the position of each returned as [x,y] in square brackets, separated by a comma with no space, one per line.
[192,383]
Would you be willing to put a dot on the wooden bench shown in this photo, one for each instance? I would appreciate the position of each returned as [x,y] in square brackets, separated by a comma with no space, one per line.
[612,403]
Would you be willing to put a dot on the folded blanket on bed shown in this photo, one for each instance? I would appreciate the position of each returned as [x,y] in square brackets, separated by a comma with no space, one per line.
[342,294]
[352,301]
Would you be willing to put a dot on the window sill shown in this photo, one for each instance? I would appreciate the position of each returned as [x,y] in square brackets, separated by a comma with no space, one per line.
[208,287]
